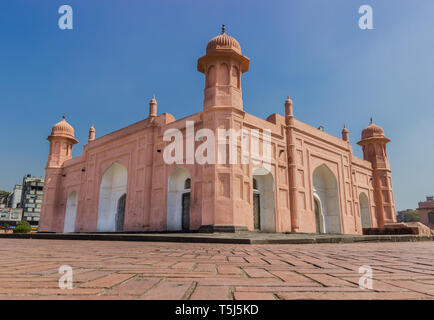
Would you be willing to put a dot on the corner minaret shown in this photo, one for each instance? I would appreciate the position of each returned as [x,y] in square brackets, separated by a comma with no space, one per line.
[61,142]
[223,65]
[374,150]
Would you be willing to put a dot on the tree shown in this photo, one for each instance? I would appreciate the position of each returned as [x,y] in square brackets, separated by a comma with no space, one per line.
[409,215]
[23,227]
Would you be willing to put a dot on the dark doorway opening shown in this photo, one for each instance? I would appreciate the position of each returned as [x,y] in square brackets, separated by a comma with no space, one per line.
[120,214]
[317,216]
[186,211]
[256,211]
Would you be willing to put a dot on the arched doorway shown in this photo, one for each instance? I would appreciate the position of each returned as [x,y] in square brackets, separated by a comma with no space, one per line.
[365,213]
[178,200]
[326,188]
[112,199]
[319,218]
[263,200]
[70,213]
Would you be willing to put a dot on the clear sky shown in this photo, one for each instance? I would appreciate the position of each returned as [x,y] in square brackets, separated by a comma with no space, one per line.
[105,70]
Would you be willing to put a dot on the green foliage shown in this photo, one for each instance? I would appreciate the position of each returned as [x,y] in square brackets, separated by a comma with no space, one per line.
[23,227]
[408,215]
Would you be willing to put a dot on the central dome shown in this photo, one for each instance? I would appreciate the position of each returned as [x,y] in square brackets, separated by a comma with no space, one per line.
[223,41]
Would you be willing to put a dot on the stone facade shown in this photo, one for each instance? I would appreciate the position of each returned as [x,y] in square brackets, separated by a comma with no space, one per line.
[426,210]
[310,183]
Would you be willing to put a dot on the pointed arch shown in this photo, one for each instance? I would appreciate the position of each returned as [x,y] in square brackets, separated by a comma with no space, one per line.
[263,200]
[319,215]
[326,187]
[178,200]
[70,212]
[365,213]
[211,77]
[235,77]
[223,74]
[113,187]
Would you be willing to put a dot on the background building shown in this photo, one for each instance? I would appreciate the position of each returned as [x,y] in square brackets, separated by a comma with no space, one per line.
[4,199]
[31,199]
[15,196]
[426,209]
[10,216]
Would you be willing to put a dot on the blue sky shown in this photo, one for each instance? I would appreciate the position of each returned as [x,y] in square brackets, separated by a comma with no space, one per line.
[105,70]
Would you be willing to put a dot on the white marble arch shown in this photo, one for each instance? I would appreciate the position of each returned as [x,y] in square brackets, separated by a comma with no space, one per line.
[319,215]
[326,187]
[175,190]
[70,212]
[265,187]
[365,213]
[113,187]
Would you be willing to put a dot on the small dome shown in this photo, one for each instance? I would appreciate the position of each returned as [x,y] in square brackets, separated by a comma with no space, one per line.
[223,41]
[372,131]
[63,128]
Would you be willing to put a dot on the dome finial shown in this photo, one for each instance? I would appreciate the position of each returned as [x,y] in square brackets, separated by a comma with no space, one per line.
[371,121]
[63,117]
[223,29]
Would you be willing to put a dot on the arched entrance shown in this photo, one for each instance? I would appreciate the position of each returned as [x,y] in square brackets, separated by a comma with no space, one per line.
[263,200]
[112,199]
[70,213]
[326,188]
[319,218]
[364,210]
[178,200]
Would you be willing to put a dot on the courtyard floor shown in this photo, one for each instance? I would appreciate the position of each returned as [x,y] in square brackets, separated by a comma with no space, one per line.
[159,270]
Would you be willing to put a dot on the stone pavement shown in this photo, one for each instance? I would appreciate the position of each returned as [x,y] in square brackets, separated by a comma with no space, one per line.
[158,270]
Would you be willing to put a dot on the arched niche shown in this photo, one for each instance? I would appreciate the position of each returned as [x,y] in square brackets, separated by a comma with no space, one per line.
[235,77]
[223,74]
[70,212]
[211,77]
[365,213]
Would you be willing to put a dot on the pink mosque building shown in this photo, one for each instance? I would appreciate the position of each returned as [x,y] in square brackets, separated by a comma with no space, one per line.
[312,182]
